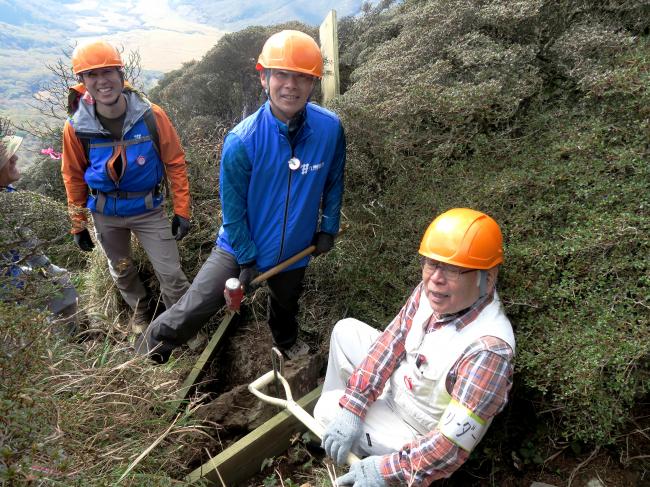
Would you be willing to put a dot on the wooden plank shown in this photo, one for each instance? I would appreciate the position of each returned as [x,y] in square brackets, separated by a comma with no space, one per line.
[208,354]
[244,458]
[329,46]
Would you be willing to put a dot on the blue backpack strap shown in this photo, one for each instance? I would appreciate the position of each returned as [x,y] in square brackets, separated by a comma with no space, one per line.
[85,139]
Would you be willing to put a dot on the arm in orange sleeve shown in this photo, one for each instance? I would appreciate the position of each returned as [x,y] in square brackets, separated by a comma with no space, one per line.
[73,168]
[173,158]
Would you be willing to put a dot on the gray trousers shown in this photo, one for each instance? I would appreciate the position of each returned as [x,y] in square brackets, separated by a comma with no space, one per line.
[153,231]
[202,300]
[205,297]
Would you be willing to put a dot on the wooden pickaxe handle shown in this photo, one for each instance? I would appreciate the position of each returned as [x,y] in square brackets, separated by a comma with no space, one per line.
[291,260]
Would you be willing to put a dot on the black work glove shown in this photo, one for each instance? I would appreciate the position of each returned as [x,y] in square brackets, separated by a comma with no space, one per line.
[180,227]
[248,272]
[323,242]
[83,240]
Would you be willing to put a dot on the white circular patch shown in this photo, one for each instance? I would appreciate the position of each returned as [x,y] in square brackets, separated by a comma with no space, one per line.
[294,163]
[141,160]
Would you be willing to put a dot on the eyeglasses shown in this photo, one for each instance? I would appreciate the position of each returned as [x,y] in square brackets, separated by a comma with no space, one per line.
[450,272]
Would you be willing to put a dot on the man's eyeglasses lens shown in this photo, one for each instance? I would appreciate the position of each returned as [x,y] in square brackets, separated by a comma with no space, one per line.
[449,272]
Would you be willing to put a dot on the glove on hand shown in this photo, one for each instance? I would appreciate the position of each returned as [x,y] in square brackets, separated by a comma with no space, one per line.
[364,474]
[83,240]
[248,272]
[323,242]
[180,227]
[340,434]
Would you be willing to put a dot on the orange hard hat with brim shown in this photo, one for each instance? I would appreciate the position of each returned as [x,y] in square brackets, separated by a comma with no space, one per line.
[95,55]
[291,50]
[465,238]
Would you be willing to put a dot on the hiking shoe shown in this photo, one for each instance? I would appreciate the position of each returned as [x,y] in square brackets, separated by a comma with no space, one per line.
[159,354]
[140,320]
[296,350]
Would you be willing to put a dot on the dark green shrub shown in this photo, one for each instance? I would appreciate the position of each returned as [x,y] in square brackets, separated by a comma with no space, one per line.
[537,114]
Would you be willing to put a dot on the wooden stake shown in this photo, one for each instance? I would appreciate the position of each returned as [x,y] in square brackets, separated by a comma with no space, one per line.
[329,46]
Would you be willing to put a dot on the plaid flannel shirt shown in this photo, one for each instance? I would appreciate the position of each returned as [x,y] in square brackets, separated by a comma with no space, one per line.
[480,380]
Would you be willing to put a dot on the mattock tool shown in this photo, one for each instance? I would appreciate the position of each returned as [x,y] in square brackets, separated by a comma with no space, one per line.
[234,292]
[292,406]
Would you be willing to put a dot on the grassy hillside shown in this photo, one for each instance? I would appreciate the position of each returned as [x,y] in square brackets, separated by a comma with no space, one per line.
[535,112]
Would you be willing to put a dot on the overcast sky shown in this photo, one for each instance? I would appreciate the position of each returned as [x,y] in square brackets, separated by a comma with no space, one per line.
[166,32]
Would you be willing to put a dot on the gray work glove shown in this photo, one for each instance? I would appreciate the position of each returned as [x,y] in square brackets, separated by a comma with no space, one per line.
[180,227]
[83,240]
[323,242]
[248,272]
[341,434]
[364,474]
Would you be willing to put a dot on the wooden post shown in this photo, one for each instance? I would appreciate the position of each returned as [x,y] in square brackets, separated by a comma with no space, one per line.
[329,46]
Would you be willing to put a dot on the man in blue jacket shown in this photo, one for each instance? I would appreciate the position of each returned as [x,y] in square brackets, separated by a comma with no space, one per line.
[281,187]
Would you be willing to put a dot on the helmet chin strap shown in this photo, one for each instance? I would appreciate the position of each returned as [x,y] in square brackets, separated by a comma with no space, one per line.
[267,91]
[481,282]
[117,99]
[267,75]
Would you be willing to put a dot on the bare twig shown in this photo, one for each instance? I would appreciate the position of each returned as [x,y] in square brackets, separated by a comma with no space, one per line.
[582,464]
[151,447]
[555,455]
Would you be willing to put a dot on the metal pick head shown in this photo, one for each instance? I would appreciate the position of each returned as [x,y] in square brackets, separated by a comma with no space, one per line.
[277,359]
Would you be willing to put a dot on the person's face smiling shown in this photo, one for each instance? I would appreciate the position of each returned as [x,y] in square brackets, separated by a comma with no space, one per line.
[288,90]
[449,289]
[104,84]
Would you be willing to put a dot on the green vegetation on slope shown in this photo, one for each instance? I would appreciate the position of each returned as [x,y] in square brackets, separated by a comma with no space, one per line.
[544,128]
[535,112]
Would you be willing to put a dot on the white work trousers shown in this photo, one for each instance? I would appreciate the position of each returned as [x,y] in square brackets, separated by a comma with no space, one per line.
[383,430]
[153,231]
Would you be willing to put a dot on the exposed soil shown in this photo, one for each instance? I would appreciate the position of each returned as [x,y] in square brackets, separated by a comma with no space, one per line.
[247,355]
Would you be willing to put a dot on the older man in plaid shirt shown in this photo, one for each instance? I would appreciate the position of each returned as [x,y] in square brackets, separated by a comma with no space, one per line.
[418,397]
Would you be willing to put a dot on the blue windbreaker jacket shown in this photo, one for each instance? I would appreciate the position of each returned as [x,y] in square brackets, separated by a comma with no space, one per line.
[270,211]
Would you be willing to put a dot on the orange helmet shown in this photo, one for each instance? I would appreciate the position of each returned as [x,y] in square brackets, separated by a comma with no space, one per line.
[291,50]
[95,55]
[465,238]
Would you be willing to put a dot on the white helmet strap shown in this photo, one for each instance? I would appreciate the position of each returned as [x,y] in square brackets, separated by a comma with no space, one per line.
[482,283]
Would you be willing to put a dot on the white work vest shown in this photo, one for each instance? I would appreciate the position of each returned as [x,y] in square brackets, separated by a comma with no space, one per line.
[417,391]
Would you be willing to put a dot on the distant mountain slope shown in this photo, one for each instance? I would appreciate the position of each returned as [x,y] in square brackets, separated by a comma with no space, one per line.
[38,32]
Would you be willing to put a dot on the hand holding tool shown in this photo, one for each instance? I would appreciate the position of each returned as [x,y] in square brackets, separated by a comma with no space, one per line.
[232,299]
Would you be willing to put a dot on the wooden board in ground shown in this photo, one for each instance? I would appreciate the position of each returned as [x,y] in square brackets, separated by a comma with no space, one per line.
[243,459]
[206,357]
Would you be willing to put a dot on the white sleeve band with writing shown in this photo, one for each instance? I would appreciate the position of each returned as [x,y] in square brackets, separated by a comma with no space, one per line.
[461,426]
